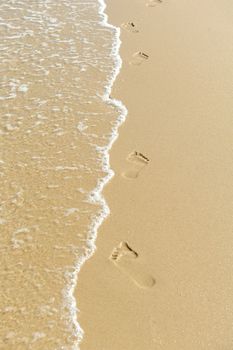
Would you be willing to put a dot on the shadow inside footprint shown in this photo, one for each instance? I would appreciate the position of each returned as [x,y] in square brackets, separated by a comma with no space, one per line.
[153,3]
[139,162]
[138,58]
[123,257]
[130,26]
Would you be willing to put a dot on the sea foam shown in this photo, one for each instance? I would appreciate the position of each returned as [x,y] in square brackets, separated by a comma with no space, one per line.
[96,195]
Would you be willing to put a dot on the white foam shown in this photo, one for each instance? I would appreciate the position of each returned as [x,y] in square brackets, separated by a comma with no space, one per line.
[81,126]
[23,88]
[38,335]
[10,127]
[96,195]
[22,230]
[60,168]
[71,211]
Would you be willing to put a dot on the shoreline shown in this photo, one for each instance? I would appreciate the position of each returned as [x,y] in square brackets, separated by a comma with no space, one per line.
[152,280]
[55,162]
[96,195]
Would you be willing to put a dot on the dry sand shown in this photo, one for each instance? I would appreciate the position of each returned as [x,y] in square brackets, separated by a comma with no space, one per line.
[170,286]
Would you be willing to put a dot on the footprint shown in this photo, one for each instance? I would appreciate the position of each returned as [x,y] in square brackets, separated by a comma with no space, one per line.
[153,3]
[139,57]
[130,26]
[139,162]
[124,258]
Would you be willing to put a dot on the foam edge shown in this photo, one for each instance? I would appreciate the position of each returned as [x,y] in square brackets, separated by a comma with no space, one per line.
[96,196]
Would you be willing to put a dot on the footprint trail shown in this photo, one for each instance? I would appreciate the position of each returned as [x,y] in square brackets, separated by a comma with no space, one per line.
[138,58]
[130,27]
[139,161]
[153,3]
[125,259]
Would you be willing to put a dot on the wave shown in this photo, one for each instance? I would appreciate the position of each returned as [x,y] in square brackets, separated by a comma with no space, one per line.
[96,196]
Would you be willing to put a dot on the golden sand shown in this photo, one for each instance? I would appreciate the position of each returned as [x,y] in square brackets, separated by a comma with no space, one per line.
[161,277]
[51,122]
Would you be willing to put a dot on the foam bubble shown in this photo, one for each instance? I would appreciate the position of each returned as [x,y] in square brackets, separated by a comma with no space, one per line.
[71,211]
[37,335]
[81,126]
[23,88]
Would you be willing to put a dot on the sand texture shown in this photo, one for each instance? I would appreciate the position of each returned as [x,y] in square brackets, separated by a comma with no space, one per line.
[162,274]
[53,130]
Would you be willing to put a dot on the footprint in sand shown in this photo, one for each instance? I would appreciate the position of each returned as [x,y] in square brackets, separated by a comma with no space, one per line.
[138,58]
[139,161]
[153,3]
[125,259]
[130,27]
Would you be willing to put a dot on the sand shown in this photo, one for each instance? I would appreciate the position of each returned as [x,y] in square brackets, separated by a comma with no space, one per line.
[161,276]
[50,124]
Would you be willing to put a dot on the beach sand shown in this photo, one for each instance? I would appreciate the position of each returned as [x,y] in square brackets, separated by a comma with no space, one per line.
[55,130]
[161,277]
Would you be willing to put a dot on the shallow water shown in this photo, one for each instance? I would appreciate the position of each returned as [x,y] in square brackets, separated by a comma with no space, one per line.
[58,60]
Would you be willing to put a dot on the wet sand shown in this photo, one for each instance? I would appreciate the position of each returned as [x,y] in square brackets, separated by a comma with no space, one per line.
[161,277]
[54,134]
